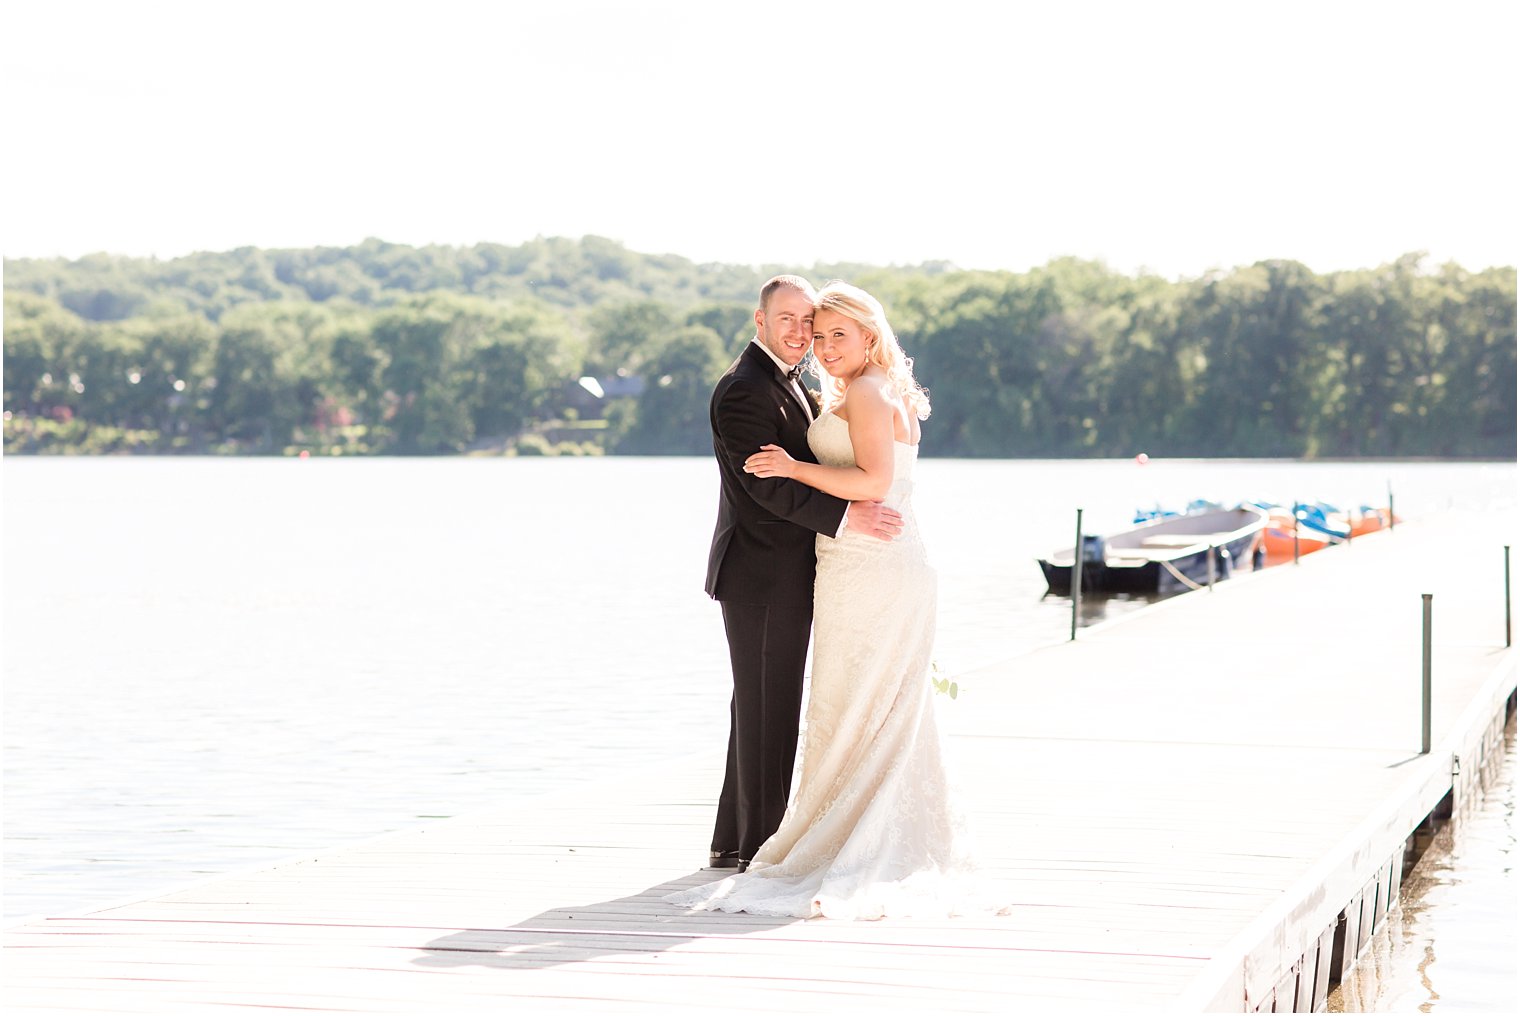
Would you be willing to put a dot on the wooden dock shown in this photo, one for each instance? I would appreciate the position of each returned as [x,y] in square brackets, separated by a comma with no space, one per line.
[1202,807]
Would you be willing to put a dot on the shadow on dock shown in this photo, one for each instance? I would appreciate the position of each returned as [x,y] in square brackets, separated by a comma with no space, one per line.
[637,925]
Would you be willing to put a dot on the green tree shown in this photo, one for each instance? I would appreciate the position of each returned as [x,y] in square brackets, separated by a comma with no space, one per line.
[623,336]
[1145,390]
[1253,333]
[1481,317]
[672,415]
[521,368]
[40,339]
[456,366]
[985,359]
[734,323]
[268,367]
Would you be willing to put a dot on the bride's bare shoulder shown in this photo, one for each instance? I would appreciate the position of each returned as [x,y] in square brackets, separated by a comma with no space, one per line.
[870,387]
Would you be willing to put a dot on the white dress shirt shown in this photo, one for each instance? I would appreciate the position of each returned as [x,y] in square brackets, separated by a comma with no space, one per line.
[807,408]
[802,395]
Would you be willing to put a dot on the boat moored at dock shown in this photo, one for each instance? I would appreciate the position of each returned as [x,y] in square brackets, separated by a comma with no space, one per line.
[1166,554]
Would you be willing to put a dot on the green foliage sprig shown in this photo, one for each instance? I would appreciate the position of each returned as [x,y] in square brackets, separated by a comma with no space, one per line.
[943,685]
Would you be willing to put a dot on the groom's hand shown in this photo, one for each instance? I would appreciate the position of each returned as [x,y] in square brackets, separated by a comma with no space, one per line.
[873,518]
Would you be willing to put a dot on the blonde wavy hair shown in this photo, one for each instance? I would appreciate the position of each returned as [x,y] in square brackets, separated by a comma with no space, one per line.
[882,347]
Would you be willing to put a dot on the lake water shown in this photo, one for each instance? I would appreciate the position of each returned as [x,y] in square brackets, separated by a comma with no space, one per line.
[212,664]
[1450,945]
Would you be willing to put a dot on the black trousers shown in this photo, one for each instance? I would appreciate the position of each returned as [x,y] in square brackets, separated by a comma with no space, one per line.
[767,646]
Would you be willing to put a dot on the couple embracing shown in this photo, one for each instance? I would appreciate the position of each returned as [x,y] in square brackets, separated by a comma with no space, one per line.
[816,531]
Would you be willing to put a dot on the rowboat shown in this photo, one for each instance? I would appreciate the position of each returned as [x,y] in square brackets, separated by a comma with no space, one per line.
[1164,555]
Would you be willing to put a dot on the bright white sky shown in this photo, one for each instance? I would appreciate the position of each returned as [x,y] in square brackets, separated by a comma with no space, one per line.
[1172,136]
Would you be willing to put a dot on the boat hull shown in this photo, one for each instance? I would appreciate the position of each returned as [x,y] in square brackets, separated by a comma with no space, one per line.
[1164,555]
[1279,541]
[1154,576]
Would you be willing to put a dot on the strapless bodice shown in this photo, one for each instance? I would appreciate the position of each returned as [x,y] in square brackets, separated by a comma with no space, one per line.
[829,438]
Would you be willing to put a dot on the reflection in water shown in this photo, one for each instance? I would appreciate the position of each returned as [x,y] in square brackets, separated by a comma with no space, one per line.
[1104,606]
[1450,945]
[1098,607]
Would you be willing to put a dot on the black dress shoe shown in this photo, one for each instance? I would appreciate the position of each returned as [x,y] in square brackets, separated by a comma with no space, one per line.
[743,867]
[724,859]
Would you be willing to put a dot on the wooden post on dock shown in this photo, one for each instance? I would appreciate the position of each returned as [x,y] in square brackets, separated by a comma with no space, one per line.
[1211,567]
[1295,532]
[1425,681]
[1506,598]
[1076,579]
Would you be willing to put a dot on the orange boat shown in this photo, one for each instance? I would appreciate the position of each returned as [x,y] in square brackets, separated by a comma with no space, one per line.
[1369,520]
[1277,538]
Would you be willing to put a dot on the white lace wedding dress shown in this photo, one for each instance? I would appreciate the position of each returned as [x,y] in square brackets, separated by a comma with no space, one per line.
[873,830]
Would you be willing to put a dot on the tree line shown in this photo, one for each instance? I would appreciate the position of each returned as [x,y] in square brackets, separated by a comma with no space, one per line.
[562,346]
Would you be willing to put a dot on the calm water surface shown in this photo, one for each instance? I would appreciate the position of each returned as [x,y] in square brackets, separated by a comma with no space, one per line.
[212,664]
[1451,945]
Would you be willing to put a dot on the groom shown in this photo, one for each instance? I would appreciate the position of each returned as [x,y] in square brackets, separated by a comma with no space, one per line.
[761,565]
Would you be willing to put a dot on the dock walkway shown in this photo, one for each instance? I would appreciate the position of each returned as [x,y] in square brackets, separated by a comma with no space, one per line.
[1201,807]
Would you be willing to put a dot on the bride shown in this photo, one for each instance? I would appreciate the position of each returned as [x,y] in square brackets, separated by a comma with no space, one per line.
[873,830]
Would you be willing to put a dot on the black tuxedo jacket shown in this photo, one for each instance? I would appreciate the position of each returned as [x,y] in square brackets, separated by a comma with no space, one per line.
[762,548]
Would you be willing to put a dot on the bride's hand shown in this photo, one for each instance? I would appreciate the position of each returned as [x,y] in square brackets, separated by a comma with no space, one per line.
[771,460]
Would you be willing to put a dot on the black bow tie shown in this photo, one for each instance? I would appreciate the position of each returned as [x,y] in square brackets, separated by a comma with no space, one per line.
[794,373]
